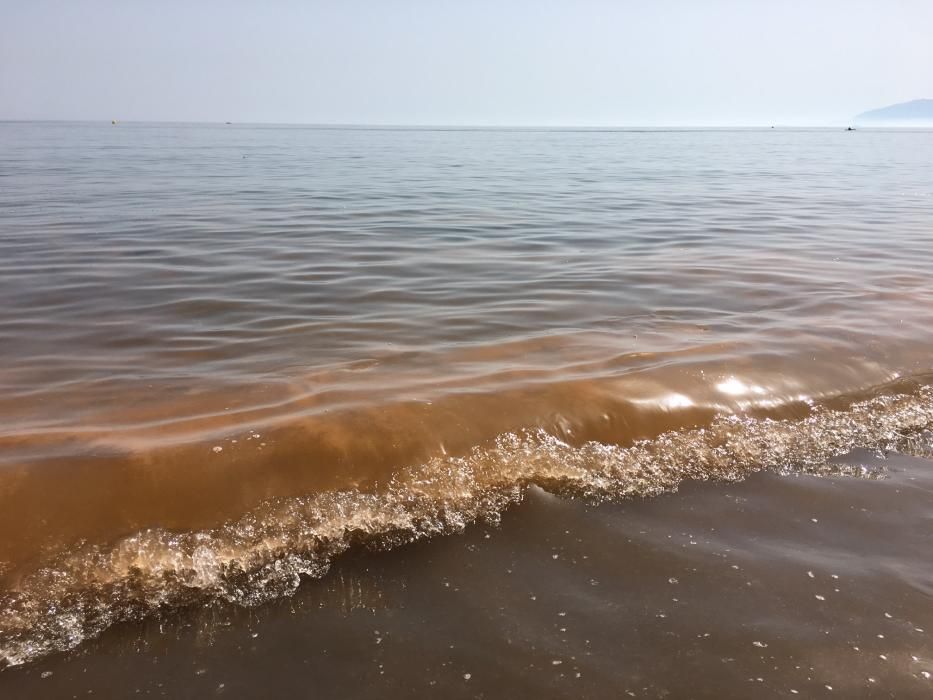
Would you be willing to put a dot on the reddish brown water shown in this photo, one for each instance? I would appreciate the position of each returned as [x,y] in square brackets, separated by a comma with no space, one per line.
[779,586]
[234,356]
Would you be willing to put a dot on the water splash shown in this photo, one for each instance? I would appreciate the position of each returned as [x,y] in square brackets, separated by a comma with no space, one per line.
[265,554]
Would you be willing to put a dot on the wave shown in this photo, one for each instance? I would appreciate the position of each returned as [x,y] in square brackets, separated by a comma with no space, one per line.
[264,554]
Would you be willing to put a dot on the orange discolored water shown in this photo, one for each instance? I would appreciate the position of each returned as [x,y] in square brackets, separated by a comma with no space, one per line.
[230,354]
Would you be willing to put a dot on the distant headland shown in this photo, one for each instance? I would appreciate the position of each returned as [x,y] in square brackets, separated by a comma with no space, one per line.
[913,113]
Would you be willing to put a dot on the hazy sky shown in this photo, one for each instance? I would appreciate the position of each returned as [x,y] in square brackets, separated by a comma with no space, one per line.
[534,62]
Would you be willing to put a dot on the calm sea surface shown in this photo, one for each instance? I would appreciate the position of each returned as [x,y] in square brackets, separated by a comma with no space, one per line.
[229,354]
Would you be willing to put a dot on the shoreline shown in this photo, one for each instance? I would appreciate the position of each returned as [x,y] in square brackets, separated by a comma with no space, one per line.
[701,592]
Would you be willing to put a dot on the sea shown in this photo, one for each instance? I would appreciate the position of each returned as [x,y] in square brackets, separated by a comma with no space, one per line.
[346,412]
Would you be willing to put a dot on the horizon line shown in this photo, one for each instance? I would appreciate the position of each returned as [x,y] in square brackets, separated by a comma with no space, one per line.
[456,126]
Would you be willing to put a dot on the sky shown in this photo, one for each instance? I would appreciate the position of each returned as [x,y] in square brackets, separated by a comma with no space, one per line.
[464,62]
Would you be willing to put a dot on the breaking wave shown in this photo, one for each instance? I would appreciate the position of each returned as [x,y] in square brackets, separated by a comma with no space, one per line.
[264,554]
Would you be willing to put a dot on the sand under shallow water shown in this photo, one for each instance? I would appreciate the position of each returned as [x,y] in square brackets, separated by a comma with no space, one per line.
[781,583]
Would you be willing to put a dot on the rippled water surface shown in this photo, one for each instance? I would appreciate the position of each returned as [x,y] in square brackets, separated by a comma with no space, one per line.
[230,353]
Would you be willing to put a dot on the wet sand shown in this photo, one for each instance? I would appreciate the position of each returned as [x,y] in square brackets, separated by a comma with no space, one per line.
[777,586]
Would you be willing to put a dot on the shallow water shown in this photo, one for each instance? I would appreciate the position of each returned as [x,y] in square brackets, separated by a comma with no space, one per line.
[231,353]
[776,587]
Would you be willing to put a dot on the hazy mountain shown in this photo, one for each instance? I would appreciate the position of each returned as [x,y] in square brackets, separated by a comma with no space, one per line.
[913,113]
